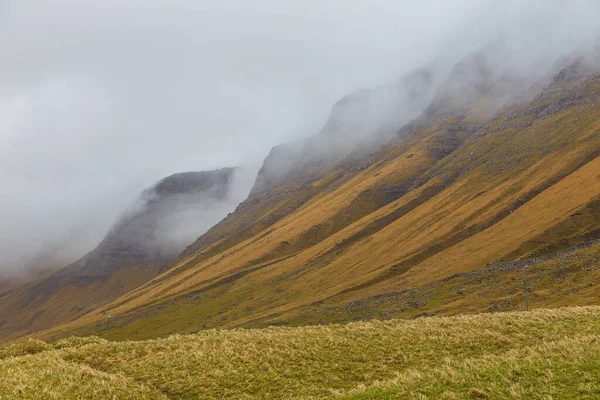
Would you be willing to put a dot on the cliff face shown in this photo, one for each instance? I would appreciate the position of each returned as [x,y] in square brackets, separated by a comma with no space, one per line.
[144,241]
[147,234]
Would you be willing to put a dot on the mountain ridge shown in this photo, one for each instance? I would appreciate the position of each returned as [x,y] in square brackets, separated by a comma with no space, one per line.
[455,188]
[444,197]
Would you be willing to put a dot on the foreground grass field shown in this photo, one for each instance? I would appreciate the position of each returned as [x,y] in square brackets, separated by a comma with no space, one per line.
[542,354]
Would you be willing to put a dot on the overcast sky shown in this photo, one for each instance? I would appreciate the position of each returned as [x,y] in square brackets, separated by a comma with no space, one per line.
[100,99]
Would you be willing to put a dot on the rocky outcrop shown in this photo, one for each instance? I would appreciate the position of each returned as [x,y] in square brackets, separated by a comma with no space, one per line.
[142,236]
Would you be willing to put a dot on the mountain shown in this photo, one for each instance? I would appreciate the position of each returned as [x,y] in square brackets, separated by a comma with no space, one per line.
[440,209]
[144,241]
[495,174]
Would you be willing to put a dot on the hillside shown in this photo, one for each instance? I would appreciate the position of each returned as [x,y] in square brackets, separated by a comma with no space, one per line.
[535,355]
[145,240]
[428,218]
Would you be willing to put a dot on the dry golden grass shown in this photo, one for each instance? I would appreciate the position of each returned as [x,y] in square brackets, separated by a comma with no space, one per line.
[49,376]
[540,354]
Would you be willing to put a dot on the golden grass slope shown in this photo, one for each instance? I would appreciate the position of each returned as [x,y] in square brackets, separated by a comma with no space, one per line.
[26,308]
[525,183]
[540,354]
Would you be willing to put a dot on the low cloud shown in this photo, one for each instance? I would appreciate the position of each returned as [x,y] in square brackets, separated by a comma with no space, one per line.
[99,100]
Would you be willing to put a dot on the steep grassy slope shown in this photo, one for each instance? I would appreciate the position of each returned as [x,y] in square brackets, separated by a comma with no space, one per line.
[561,279]
[452,193]
[535,355]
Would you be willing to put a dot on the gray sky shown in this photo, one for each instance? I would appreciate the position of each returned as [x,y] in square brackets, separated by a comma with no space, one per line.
[100,99]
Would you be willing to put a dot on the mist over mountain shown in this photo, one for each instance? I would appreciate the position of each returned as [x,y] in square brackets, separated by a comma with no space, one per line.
[393,160]
[490,78]
[164,220]
[364,118]
[442,217]
[144,241]
[124,93]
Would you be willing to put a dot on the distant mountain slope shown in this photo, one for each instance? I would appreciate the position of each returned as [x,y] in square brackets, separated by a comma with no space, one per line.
[140,245]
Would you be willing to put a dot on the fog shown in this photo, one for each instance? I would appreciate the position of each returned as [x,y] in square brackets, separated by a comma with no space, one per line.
[190,215]
[100,99]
